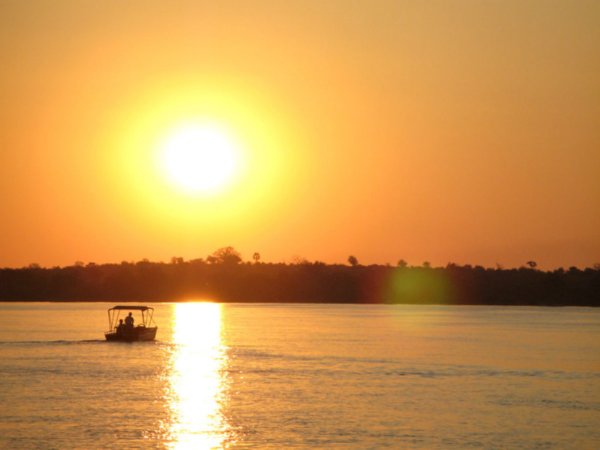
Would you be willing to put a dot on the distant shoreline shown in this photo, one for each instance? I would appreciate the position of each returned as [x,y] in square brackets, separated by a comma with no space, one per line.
[152,302]
[308,283]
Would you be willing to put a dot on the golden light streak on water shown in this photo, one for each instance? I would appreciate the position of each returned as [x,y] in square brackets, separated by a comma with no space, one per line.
[198,386]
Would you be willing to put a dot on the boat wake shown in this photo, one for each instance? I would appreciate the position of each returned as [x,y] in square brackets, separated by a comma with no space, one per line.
[61,342]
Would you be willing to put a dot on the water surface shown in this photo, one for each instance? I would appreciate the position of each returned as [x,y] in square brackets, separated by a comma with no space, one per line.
[301,376]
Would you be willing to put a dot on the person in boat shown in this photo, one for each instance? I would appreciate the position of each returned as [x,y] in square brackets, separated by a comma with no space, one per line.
[129,322]
[121,327]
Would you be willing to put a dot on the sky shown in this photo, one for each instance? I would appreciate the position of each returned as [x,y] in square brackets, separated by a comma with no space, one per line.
[440,131]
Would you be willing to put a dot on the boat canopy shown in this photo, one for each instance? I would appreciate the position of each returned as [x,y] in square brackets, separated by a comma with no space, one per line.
[131,308]
[147,313]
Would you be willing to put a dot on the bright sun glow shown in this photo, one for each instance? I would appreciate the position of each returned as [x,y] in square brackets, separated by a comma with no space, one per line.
[199,159]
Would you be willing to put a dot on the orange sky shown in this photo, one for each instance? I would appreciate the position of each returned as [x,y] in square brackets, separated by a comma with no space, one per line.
[441,131]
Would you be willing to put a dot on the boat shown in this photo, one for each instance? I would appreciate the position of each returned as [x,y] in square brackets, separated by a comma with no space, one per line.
[144,331]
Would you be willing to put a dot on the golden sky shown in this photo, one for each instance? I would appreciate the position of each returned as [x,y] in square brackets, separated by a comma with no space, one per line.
[441,131]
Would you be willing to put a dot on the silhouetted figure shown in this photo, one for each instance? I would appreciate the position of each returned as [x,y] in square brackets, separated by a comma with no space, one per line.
[129,322]
[121,327]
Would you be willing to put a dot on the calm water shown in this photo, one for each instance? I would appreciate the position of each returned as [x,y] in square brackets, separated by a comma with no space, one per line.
[301,376]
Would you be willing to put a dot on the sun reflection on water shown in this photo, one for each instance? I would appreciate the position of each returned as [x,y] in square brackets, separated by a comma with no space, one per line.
[197,379]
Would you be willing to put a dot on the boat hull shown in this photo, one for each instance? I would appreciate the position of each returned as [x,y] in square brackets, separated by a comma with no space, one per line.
[135,335]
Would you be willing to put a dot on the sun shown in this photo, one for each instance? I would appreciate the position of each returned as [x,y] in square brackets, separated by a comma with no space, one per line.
[199,159]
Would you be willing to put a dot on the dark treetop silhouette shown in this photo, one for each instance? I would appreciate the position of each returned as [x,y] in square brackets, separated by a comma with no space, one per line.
[224,277]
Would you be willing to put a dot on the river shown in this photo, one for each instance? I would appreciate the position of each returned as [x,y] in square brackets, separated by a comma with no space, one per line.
[274,376]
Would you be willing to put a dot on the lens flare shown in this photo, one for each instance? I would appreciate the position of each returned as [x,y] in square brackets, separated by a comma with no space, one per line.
[418,285]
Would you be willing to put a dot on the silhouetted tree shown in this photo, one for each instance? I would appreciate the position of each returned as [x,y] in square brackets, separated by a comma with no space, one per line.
[227,255]
[427,264]
[402,263]
[353,261]
[256,257]
[297,259]
[176,260]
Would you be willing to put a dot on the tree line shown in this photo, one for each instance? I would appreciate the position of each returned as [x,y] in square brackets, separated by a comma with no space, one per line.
[223,276]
